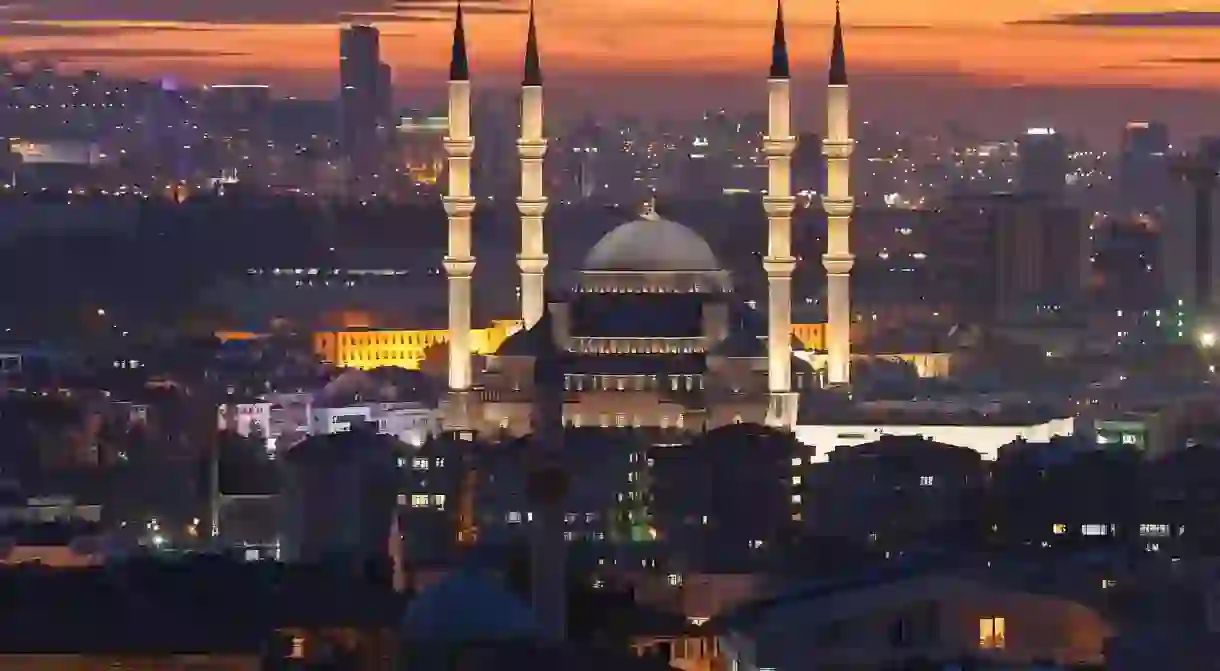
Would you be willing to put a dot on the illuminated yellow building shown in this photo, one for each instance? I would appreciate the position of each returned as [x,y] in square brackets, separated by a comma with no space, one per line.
[374,348]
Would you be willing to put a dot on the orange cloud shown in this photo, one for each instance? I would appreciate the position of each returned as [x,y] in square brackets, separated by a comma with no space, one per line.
[1048,45]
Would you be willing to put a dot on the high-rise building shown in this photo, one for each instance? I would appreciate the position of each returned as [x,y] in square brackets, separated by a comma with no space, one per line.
[361,78]
[1190,247]
[385,95]
[1041,254]
[1143,171]
[1042,163]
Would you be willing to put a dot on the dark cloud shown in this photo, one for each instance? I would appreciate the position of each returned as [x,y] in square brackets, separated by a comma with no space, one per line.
[92,54]
[1185,60]
[1178,19]
[427,9]
[48,29]
[245,11]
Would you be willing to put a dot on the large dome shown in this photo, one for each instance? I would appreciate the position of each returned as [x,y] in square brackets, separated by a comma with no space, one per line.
[467,607]
[652,245]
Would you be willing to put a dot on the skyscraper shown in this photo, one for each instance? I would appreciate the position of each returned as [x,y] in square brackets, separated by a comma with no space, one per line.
[1143,171]
[1042,163]
[361,78]
[1190,248]
[1040,252]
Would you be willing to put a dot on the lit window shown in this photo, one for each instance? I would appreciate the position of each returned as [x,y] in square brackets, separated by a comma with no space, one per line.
[420,500]
[991,633]
[796,480]
[796,498]
[927,480]
[419,463]
[1154,530]
[439,501]
[512,517]
[796,461]
[675,579]
[1094,530]
[1059,529]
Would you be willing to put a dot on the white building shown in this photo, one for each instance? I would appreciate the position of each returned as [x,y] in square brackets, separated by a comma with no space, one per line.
[247,418]
[984,430]
[411,423]
[982,434]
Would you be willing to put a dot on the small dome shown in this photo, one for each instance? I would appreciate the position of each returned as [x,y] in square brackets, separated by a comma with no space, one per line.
[467,607]
[652,245]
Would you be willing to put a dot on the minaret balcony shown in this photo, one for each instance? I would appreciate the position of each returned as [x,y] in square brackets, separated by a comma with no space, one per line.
[778,146]
[459,147]
[533,265]
[459,206]
[532,207]
[838,264]
[779,267]
[838,207]
[455,267]
[779,206]
[838,148]
[532,150]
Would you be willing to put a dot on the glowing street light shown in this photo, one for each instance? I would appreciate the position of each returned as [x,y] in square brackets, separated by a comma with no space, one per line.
[1207,339]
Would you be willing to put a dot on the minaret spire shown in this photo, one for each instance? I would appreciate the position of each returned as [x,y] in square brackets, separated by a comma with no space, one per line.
[459,260]
[532,203]
[837,201]
[779,45]
[533,69]
[459,64]
[779,263]
[838,60]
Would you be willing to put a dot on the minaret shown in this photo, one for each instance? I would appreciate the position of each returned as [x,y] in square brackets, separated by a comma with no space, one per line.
[547,488]
[779,263]
[459,260]
[531,147]
[837,201]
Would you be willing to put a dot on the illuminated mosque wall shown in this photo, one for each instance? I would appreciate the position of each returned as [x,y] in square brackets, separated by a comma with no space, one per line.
[367,348]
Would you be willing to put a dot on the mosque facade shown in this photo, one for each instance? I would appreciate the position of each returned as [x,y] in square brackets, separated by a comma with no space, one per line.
[650,333]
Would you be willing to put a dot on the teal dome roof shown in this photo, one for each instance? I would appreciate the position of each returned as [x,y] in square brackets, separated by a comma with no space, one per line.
[468,606]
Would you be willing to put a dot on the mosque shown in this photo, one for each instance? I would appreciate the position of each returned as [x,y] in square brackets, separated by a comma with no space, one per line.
[651,333]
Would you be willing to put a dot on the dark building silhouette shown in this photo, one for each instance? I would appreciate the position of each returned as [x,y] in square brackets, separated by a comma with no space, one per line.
[1042,165]
[339,494]
[1143,171]
[362,101]
[895,492]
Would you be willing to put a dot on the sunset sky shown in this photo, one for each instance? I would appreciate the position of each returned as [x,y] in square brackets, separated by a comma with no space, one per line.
[1103,44]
